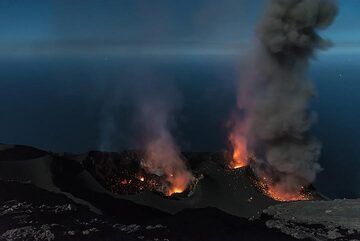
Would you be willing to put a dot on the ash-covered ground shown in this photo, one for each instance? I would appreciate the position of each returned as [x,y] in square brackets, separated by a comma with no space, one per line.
[52,196]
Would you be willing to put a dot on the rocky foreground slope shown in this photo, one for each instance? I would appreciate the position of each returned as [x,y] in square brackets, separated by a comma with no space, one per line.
[30,213]
[317,220]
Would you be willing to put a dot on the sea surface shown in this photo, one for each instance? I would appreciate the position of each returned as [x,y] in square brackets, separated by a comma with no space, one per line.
[86,102]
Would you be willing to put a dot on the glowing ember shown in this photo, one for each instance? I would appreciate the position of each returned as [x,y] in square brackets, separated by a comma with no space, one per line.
[240,154]
[178,182]
[286,196]
[241,159]
[125,174]
[163,158]
[278,193]
[174,190]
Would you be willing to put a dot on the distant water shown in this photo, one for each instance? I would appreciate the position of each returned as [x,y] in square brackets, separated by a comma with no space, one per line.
[76,104]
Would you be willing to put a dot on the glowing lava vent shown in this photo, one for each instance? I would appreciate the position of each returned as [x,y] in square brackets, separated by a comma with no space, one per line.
[240,155]
[122,174]
[277,191]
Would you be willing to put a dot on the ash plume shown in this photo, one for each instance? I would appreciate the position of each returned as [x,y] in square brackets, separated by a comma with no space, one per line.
[275,94]
[162,154]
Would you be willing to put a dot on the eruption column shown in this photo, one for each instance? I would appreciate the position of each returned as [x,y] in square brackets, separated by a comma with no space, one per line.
[276,93]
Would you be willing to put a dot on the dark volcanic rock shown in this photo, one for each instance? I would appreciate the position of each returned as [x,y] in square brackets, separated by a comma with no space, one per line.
[19,153]
[123,210]
[122,174]
[233,191]
[30,213]
[213,224]
[99,177]
[67,197]
[317,220]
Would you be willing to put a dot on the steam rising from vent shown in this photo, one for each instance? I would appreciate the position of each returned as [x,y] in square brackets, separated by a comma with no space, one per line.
[275,94]
[163,156]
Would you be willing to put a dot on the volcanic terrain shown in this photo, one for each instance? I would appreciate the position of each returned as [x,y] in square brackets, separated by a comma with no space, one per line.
[108,196]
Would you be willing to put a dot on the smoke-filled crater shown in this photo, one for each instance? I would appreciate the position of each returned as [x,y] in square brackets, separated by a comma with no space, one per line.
[214,183]
[123,174]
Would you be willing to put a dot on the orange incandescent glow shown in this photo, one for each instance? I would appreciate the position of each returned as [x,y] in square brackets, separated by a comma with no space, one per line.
[240,158]
[178,182]
[174,190]
[285,196]
[240,155]
[278,193]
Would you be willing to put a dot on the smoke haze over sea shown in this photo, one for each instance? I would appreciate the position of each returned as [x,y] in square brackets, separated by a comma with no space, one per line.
[62,104]
[67,82]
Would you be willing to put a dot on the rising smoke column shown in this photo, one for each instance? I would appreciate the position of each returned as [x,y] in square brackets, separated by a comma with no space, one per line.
[163,156]
[275,95]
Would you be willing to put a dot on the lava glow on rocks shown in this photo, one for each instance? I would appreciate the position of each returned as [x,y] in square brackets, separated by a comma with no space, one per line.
[174,191]
[166,186]
[278,192]
[241,159]
[179,182]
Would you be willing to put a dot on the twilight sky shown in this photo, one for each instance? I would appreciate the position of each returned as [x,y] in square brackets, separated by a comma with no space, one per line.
[45,25]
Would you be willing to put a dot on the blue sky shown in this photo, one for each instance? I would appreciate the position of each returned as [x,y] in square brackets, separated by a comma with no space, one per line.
[161,23]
